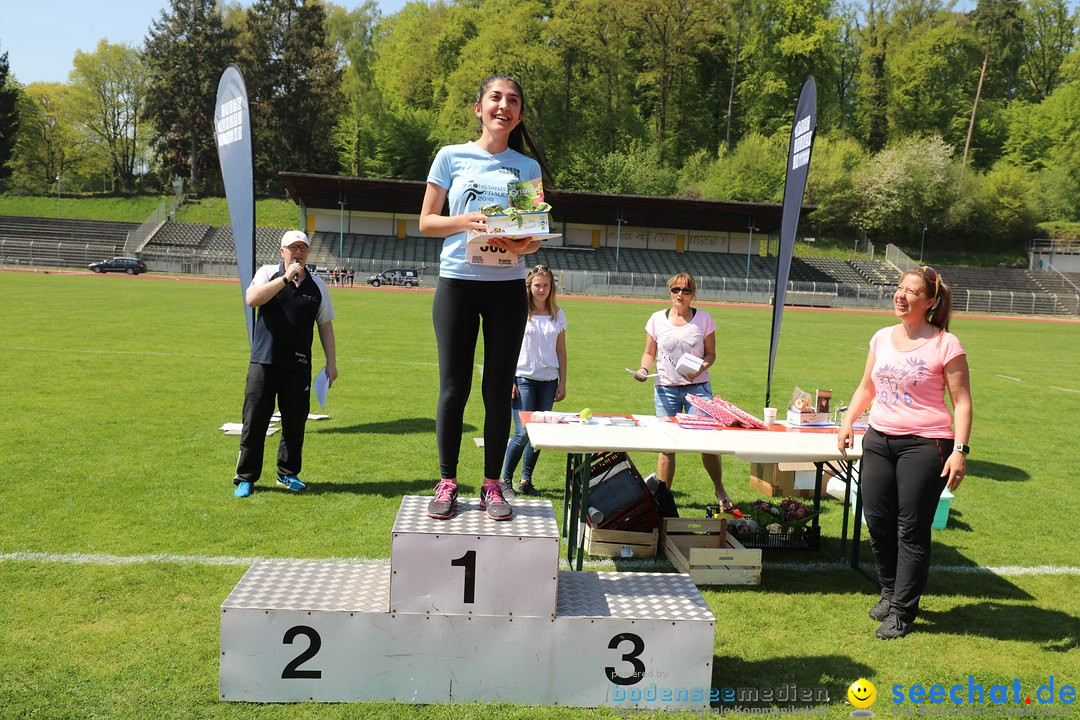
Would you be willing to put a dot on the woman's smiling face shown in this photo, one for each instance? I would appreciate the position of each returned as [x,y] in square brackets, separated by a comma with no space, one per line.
[911,298]
[500,107]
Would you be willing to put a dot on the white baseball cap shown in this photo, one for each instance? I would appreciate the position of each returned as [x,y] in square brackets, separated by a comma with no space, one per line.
[294,236]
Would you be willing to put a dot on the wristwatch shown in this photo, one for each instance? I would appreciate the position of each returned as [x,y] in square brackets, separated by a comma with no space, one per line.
[962,448]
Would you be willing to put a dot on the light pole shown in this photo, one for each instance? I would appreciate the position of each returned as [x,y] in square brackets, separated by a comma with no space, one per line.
[749,244]
[618,238]
[341,231]
[923,243]
[57,194]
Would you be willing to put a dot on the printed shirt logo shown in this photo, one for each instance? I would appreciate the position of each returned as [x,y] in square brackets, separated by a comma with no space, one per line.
[472,191]
[894,382]
[673,344]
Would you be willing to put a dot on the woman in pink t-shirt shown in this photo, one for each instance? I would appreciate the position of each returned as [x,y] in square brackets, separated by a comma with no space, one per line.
[913,448]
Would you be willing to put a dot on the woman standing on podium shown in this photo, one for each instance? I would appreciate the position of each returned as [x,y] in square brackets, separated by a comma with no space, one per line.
[669,334]
[471,176]
[913,448]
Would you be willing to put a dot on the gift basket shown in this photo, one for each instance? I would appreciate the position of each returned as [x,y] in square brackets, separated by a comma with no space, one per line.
[773,525]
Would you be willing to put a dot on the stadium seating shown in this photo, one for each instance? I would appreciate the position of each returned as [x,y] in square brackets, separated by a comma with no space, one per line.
[983,278]
[75,243]
[61,242]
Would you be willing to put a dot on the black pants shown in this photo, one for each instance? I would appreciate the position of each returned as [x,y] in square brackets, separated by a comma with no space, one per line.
[457,311]
[291,390]
[901,483]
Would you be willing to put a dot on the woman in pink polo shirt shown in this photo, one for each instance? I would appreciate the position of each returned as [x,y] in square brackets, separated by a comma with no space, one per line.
[913,448]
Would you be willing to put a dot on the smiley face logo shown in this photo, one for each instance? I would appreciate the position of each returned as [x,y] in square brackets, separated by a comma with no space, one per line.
[862,693]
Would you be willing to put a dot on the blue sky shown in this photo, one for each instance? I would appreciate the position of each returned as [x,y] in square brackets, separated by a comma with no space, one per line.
[42,36]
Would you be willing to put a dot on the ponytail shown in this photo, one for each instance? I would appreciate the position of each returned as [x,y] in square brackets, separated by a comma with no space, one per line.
[941,310]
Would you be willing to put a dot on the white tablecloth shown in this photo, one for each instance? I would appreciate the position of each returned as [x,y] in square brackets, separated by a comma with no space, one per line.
[778,444]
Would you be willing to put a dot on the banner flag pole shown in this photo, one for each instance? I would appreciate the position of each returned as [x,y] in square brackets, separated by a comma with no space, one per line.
[798,165]
[232,130]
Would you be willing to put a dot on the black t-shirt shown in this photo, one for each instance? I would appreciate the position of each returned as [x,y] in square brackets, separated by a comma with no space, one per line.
[284,326]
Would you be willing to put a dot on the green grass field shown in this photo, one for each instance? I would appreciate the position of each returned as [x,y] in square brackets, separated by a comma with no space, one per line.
[120,536]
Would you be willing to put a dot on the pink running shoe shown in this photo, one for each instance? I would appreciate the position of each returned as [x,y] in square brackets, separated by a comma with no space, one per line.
[444,505]
[492,500]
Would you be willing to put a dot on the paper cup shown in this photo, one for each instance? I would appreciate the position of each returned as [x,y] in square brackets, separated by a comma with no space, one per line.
[770,416]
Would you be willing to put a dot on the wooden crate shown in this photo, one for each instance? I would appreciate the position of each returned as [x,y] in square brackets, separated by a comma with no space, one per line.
[704,550]
[620,543]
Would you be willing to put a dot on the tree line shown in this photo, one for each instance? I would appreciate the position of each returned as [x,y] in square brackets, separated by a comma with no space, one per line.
[960,128]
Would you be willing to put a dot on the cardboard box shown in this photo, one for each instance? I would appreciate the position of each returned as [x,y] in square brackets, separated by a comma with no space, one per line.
[786,479]
[532,223]
[803,419]
[620,543]
[703,549]
[536,225]
[688,364]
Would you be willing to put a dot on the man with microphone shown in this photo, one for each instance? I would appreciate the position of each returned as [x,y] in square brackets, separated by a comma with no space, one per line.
[291,302]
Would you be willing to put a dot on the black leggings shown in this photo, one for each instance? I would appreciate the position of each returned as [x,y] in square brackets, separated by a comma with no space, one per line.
[901,483]
[458,309]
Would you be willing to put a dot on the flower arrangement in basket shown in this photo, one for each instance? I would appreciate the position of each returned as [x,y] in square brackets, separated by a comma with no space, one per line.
[788,517]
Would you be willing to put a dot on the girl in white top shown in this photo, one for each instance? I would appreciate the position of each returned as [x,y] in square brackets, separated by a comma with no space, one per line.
[541,374]
[668,335]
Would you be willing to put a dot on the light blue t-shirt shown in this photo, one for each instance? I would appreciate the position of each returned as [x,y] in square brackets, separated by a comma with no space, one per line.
[474,178]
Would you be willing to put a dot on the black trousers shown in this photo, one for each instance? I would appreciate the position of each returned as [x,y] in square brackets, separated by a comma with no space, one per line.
[290,390]
[459,310]
[901,483]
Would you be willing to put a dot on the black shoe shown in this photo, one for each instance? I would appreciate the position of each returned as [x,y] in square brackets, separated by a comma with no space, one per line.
[526,488]
[893,628]
[880,611]
[492,500]
[508,490]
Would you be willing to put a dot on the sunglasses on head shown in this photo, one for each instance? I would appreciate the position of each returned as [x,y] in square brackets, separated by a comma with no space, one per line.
[932,275]
[681,291]
[540,269]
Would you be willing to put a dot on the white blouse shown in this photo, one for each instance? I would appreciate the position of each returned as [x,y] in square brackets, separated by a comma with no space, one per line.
[538,359]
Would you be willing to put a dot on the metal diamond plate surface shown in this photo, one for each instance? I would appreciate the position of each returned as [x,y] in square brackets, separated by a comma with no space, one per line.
[298,585]
[636,596]
[532,518]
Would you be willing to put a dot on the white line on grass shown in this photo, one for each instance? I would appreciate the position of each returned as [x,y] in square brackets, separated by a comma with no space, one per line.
[641,564]
[1055,387]
[1009,377]
[165,558]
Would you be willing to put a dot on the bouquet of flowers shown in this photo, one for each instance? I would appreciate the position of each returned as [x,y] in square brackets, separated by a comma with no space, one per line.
[789,516]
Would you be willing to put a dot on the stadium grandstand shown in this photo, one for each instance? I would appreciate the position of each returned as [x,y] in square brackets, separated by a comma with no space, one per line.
[611,244]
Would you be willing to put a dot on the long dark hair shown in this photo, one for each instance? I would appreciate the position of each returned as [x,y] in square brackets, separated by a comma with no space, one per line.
[519,136]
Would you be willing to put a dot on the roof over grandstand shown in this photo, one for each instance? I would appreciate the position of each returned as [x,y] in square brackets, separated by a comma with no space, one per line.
[405,197]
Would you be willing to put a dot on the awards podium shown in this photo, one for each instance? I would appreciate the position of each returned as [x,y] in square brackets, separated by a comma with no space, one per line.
[470,610]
